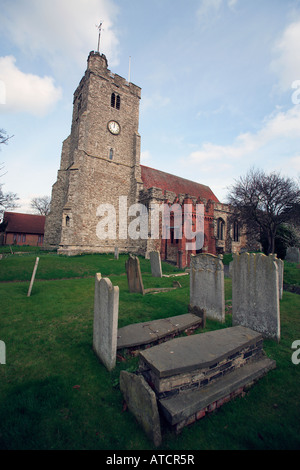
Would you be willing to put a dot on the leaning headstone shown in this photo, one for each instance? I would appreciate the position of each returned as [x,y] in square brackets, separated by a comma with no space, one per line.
[33,276]
[255,293]
[292,254]
[134,276]
[105,328]
[207,285]
[141,401]
[2,352]
[116,252]
[155,264]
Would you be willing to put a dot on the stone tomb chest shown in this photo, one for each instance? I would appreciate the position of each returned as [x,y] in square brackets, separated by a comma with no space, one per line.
[193,375]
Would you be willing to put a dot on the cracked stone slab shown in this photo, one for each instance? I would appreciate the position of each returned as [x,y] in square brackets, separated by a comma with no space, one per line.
[139,334]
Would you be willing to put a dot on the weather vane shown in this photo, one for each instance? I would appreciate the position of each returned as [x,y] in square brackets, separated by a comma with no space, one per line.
[99,29]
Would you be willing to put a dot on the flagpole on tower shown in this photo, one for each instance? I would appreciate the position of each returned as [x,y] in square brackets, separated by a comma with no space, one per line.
[99,29]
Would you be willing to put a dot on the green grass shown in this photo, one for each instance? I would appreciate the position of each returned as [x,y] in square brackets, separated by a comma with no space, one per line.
[53,266]
[291,273]
[55,394]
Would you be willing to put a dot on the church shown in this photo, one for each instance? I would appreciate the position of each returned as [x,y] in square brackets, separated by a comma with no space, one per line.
[100,172]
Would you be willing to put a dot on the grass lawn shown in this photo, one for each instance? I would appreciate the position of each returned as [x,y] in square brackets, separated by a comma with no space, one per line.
[55,394]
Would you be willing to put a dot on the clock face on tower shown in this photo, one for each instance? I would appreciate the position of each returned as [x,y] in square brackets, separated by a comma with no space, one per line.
[114,127]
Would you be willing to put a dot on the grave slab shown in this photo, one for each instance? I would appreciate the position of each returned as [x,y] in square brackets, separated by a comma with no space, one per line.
[144,333]
[184,405]
[195,352]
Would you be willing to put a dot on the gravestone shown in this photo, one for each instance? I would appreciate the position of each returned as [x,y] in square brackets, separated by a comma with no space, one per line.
[207,285]
[292,254]
[116,252]
[105,328]
[33,276]
[255,293]
[134,277]
[280,265]
[2,352]
[141,401]
[155,264]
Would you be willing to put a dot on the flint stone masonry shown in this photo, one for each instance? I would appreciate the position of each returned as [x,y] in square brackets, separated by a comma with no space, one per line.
[207,285]
[134,276]
[105,328]
[255,293]
[155,264]
[293,254]
[142,402]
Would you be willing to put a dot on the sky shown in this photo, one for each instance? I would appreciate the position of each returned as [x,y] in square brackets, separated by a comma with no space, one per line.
[220,84]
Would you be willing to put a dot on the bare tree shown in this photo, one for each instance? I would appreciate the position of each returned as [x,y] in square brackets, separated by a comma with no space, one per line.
[263,202]
[7,200]
[4,137]
[41,205]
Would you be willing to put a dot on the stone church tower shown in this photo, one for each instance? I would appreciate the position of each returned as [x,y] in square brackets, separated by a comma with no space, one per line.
[100,161]
[101,179]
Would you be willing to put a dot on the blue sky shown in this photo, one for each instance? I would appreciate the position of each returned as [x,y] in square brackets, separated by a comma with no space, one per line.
[220,84]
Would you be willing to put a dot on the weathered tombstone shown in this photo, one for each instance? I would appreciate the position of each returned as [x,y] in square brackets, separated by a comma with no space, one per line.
[255,293]
[207,285]
[280,265]
[141,401]
[180,259]
[2,352]
[155,264]
[134,276]
[105,328]
[116,252]
[292,254]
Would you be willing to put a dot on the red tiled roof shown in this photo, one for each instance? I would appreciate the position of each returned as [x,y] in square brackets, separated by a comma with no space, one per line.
[165,181]
[24,223]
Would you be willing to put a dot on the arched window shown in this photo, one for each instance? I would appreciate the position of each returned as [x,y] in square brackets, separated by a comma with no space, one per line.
[111,154]
[220,229]
[67,221]
[236,231]
[118,104]
[113,100]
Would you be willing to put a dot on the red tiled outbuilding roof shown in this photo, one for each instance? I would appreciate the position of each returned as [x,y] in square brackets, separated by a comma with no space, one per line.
[24,223]
[165,181]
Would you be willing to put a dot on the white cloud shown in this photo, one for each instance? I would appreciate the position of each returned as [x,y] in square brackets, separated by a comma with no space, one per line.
[146,157]
[155,101]
[295,163]
[26,92]
[211,8]
[232,3]
[275,127]
[287,62]
[60,29]
[208,8]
